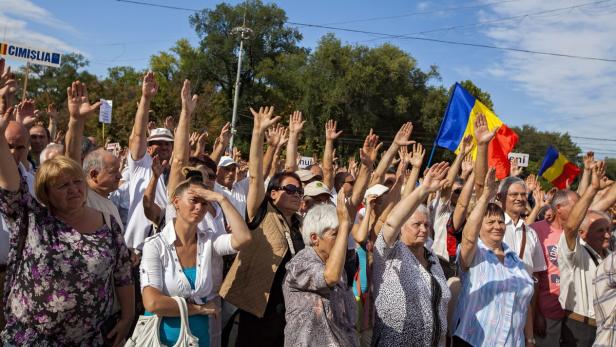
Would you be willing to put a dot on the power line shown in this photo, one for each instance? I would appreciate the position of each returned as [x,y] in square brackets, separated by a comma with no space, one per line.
[406,37]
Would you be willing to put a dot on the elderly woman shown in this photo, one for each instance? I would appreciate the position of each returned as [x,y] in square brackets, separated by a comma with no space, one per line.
[64,259]
[496,288]
[320,307]
[411,292]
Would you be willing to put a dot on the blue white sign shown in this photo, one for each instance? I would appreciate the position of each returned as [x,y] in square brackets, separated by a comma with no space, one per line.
[105,111]
[36,56]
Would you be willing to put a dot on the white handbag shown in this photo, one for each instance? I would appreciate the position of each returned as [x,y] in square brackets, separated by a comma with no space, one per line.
[146,332]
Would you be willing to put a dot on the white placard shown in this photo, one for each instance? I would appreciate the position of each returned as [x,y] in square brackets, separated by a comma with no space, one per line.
[105,112]
[114,148]
[38,56]
[521,158]
[304,162]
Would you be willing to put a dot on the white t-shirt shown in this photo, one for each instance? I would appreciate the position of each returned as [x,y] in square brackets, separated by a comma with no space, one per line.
[138,226]
[237,195]
[533,251]
[577,271]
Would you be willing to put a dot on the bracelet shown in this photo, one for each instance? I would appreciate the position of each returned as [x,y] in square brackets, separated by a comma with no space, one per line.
[531,340]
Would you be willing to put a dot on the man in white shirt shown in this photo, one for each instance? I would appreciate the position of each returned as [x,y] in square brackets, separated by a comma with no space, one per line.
[102,171]
[582,247]
[225,184]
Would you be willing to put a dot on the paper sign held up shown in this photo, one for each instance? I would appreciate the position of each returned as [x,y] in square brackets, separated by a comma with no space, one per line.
[33,55]
[520,158]
[304,162]
[105,111]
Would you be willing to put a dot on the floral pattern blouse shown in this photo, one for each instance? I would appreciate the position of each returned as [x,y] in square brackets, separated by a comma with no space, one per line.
[59,290]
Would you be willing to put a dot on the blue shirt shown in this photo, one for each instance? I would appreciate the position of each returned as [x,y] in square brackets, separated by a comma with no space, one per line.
[494,298]
[199,325]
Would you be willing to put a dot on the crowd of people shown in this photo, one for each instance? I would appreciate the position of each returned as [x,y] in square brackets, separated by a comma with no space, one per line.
[257,251]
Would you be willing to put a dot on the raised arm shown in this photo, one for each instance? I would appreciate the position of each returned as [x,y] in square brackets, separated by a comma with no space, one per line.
[589,163]
[8,86]
[607,200]
[137,143]
[416,156]
[367,156]
[273,137]
[79,109]
[276,161]
[256,189]
[483,136]
[328,154]
[470,234]
[465,148]
[53,114]
[296,124]
[401,139]
[459,213]
[539,196]
[579,210]
[221,143]
[334,266]
[9,175]
[181,143]
[151,210]
[360,233]
[404,209]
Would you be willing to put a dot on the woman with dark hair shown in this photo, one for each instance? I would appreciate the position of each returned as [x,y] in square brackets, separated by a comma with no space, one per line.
[254,282]
[496,288]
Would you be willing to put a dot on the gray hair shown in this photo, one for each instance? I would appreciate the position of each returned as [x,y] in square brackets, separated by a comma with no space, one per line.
[561,197]
[586,222]
[94,161]
[503,188]
[318,219]
[50,151]
[420,209]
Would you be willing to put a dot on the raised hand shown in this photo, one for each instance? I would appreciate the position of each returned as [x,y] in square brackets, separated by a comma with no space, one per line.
[8,84]
[434,177]
[27,114]
[170,122]
[539,197]
[225,135]
[330,130]
[59,139]
[402,136]
[149,87]
[273,134]
[353,166]
[483,135]
[531,183]
[159,167]
[151,126]
[342,209]
[78,104]
[370,149]
[589,160]
[515,170]
[188,103]
[284,136]
[491,184]
[467,145]
[597,173]
[202,138]
[417,155]
[52,112]
[263,119]
[296,123]
[236,154]
[467,166]
[6,115]
[192,140]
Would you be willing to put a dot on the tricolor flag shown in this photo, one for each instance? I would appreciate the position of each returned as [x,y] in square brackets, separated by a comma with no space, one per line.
[459,121]
[557,169]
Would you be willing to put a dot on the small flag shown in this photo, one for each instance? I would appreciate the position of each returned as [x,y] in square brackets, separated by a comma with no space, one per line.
[459,121]
[557,169]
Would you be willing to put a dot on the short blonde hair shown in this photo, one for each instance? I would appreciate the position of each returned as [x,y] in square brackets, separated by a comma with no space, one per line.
[50,171]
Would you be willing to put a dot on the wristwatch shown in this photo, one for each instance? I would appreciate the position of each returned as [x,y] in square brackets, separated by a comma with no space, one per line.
[531,340]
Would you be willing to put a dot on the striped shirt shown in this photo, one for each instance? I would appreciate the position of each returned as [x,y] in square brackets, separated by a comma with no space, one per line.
[494,299]
[605,302]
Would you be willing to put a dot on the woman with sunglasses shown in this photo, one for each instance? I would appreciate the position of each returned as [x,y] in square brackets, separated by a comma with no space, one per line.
[185,258]
[254,282]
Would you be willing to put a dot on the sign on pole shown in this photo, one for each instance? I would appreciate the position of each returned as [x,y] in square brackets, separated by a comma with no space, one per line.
[114,148]
[520,158]
[38,56]
[105,112]
[304,162]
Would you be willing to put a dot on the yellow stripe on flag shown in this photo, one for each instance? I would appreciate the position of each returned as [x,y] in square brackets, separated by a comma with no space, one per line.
[556,169]
[491,118]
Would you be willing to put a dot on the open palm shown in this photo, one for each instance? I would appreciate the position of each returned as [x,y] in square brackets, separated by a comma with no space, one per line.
[79,106]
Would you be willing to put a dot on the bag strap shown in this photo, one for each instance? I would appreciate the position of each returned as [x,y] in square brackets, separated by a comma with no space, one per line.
[523,247]
[184,327]
[592,255]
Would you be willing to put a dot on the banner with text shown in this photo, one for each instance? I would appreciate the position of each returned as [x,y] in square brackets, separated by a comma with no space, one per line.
[38,56]
[105,111]
[520,158]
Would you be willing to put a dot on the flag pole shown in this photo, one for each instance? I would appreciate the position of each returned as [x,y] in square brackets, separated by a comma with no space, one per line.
[103,133]
[440,128]
[25,89]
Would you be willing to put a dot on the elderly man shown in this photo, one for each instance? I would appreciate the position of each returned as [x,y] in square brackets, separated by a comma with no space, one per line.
[581,249]
[39,139]
[102,171]
[548,312]
[225,184]
[315,193]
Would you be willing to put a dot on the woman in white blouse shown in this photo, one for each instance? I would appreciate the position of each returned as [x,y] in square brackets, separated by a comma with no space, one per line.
[182,260]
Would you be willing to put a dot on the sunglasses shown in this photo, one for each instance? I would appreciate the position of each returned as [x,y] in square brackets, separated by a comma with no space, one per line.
[292,189]
[199,175]
[457,191]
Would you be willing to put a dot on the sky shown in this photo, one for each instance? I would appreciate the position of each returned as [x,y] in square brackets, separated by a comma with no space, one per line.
[550,92]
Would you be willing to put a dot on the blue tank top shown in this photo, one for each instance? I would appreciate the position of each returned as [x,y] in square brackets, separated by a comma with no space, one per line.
[199,324]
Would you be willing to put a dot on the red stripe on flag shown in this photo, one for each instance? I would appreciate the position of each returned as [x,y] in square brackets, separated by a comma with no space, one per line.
[498,151]
[570,171]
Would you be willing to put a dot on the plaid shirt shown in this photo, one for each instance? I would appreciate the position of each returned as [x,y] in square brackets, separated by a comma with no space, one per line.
[605,302]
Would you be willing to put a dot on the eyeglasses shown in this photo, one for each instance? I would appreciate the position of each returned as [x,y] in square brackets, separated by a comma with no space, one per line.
[292,189]
[457,191]
[516,195]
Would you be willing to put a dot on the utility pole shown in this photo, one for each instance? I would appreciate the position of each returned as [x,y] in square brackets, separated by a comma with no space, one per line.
[244,34]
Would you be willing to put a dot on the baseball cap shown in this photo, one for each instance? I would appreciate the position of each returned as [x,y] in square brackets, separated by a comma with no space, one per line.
[304,175]
[377,189]
[160,134]
[226,161]
[316,188]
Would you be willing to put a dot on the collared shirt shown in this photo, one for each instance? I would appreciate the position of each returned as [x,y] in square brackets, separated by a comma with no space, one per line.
[605,302]
[493,302]
[138,226]
[549,281]
[236,195]
[441,211]
[577,271]
[161,268]
[100,203]
[533,254]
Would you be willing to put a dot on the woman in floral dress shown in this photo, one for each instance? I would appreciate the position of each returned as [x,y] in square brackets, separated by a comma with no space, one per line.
[60,279]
